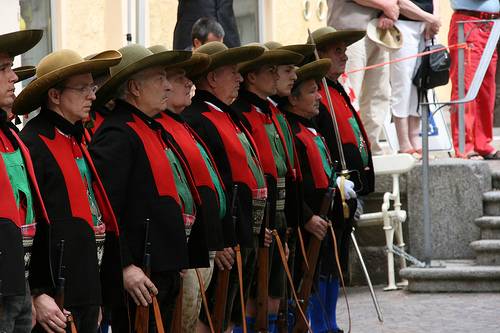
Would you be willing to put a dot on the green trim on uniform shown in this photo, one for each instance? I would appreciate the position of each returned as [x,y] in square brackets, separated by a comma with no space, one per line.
[288,138]
[252,161]
[361,142]
[325,159]
[18,177]
[277,148]
[181,183]
[87,179]
[221,196]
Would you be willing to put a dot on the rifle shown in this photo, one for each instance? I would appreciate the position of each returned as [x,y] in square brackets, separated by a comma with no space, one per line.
[142,312]
[282,321]
[223,276]
[261,319]
[313,251]
[60,284]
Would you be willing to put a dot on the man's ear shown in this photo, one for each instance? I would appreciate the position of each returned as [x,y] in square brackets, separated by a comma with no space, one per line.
[250,77]
[54,96]
[133,88]
[292,100]
[196,43]
[212,79]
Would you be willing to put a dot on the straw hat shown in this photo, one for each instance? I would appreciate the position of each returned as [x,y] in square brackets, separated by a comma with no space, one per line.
[135,59]
[314,70]
[194,66]
[24,72]
[328,35]
[271,57]
[390,38]
[18,42]
[55,68]
[221,55]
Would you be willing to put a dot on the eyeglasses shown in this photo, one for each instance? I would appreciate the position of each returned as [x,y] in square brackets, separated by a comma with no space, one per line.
[86,90]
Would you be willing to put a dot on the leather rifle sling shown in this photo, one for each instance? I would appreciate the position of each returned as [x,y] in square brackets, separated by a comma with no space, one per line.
[290,279]
[157,313]
[239,265]
[72,324]
[303,247]
[204,300]
[337,260]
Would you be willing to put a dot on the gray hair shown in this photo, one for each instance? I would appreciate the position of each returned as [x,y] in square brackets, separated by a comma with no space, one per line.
[203,27]
[122,90]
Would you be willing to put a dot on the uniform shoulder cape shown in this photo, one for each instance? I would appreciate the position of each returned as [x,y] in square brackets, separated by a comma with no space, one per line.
[211,119]
[206,233]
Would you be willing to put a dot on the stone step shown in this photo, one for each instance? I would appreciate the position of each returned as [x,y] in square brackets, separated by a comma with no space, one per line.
[491,203]
[495,179]
[490,227]
[487,251]
[454,276]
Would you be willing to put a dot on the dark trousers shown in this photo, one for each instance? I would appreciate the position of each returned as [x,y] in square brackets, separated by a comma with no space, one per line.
[15,315]
[167,283]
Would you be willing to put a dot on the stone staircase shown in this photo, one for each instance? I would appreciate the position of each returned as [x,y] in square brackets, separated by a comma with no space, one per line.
[479,275]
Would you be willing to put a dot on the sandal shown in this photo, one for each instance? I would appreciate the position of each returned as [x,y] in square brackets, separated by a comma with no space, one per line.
[474,156]
[414,153]
[493,156]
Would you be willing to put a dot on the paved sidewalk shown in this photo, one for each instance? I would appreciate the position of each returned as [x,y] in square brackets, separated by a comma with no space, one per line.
[405,312]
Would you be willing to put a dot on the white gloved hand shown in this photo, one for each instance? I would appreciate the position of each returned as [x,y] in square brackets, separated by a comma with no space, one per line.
[348,188]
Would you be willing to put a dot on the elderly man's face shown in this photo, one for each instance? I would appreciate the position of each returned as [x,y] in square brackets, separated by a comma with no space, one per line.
[153,90]
[336,53]
[226,82]
[306,104]
[180,95]
[7,80]
[287,76]
[74,99]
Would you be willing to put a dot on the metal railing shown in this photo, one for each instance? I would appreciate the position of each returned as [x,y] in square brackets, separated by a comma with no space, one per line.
[472,92]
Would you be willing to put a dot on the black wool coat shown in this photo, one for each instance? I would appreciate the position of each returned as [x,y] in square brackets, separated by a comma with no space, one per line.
[121,159]
[84,282]
[363,178]
[195,116]
[313,197]
[189,11]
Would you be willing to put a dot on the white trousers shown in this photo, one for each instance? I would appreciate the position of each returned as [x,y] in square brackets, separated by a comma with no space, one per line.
[371,87]
[404,99]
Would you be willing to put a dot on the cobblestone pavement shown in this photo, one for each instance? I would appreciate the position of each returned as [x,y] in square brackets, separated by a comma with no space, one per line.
[406,312]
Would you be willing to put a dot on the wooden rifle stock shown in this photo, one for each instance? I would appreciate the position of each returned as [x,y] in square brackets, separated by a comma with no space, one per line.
[141,323]
[223,276]
[261,319]
[313,251]
[282,320]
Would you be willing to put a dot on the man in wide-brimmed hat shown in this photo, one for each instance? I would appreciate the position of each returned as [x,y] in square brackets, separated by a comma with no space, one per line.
[317,167]
[236,158]
[332,45]
[206,233]
[150,189]
[21,206]
[260,117]
[82,223]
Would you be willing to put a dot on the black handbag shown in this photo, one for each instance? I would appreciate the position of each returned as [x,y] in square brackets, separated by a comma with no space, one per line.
[434,69]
